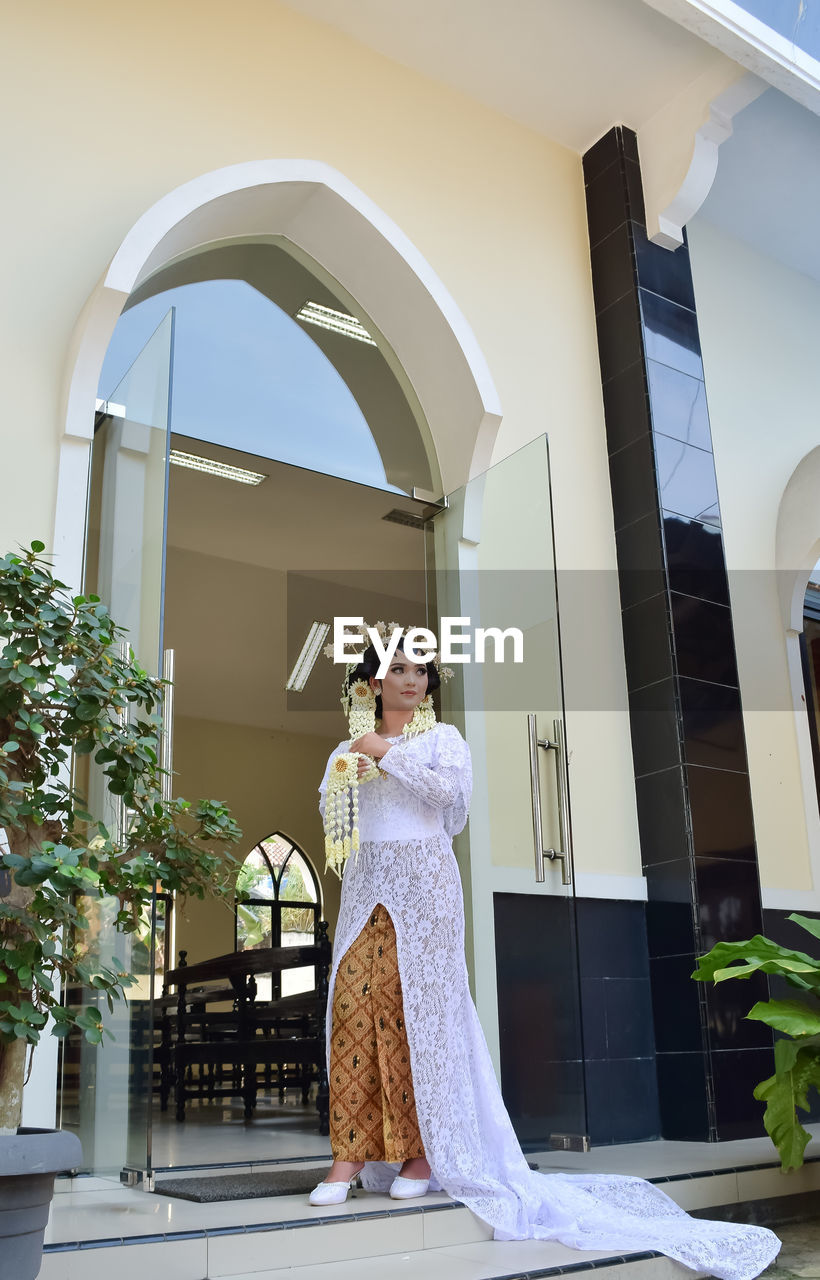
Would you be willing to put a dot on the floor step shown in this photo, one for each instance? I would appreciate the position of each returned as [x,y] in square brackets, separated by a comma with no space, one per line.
[489,1260]
[130,1235]
[431,1242]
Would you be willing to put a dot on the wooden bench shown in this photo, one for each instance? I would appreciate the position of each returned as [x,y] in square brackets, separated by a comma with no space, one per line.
[217,1052]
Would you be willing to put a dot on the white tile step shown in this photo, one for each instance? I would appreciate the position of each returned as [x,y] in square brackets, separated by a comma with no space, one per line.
[132,1235]
[484,1260]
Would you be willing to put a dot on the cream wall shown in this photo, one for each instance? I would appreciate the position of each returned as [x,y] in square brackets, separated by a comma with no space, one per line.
[495,209]
[759,326]
[269,780]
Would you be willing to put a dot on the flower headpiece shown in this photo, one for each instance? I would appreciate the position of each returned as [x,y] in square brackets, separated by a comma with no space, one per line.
[384,631]
[359,703]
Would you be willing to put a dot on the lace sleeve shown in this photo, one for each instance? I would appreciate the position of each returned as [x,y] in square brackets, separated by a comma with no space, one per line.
[440,773]
[342,747]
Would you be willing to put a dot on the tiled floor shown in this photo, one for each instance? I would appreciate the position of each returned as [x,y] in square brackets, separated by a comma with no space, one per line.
[800,1255]
[435,1239]
[220,1134]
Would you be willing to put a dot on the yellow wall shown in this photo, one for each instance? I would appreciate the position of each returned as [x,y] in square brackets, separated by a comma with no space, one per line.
[759,323]
[270,782]
[132,101]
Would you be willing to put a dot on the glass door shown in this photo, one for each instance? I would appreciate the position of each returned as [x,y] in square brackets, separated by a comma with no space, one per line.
[107,1091]
[491,565]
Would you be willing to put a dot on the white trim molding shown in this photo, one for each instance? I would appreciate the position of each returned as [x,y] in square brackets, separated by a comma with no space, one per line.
[587,884]
[751,43]
[666,144]
[791,899]
[797,550]
[324,216]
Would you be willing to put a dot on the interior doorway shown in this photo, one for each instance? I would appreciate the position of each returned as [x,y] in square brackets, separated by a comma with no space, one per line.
[248,570]
[253,471]
[228,514]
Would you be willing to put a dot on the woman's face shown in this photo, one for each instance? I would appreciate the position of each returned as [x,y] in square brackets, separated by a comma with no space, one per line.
[403,686]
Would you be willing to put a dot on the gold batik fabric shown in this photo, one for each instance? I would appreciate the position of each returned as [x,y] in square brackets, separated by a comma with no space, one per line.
[372,1106]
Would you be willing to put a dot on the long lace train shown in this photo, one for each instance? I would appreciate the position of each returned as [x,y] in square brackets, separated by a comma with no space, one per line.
[406,862]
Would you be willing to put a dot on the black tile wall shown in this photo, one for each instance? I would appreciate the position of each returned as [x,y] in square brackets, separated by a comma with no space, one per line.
[686,721]
[670,334]
[704,640]
[682,1095]
[670,926]
[694,558]
[685,416]
[619,336]
[654,720]
[686,479]
[660,271]
[626,403]
[541,1044]
[632,476]
[640,559]
[619,1045]
[711,724]
[646,628]
[735,1073]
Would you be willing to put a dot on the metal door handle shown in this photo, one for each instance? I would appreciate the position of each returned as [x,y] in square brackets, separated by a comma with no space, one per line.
[564,854]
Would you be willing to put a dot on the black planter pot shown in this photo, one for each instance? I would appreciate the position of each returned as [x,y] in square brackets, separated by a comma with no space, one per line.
[28,1162]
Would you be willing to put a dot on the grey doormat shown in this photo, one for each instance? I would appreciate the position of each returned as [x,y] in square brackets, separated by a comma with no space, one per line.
[242,1186]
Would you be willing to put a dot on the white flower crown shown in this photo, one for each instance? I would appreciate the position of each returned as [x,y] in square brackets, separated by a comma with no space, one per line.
[384,630]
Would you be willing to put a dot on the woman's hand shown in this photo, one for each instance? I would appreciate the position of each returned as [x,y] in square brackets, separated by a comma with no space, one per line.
[371,744]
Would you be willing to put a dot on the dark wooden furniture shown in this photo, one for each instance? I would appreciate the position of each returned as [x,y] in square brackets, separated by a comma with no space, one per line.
[213,1051]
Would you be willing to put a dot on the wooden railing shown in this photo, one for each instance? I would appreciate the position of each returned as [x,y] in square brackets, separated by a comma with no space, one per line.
[211,1051]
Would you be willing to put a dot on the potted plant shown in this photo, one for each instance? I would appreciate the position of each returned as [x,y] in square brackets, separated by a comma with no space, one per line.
[70,688]
[797,1049]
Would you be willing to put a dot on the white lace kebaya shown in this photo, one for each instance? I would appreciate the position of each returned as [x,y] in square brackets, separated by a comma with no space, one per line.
[406,862]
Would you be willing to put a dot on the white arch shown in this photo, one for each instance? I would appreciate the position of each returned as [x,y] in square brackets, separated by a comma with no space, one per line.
[325,216]
[797,547]
[797,551]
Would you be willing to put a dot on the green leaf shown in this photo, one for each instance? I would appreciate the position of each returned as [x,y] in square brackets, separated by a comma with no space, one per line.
[808,923]
[725,960]
[792,1016]
[783,1093]
[38,546]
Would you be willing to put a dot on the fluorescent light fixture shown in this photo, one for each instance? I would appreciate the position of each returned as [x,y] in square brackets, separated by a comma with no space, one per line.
[311,649]
[194,462]
[335,321]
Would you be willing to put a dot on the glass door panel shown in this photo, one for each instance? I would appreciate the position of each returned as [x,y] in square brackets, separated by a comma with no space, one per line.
[491,564]
[107,1091]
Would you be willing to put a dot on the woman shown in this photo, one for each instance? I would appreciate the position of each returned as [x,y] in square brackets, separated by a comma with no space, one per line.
[411,1081]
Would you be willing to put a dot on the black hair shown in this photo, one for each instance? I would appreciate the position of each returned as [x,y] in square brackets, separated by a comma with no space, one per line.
[371,662]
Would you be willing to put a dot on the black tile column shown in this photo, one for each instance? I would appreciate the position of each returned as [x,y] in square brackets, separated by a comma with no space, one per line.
[694,804]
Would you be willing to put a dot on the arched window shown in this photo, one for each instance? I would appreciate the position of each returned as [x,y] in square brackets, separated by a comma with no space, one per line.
[277,905]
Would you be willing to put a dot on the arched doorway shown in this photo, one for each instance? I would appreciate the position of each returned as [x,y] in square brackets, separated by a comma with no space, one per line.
[214,571]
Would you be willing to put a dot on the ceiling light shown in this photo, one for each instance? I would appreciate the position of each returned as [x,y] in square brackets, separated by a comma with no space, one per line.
[311,649]
[335,321]
[194,462]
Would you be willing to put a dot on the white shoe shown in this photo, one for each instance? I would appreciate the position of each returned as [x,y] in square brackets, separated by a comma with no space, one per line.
[408,1188]
[331,1192]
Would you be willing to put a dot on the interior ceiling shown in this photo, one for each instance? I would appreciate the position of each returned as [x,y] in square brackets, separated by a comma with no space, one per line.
[569,69]
[274,272]
[248,570]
